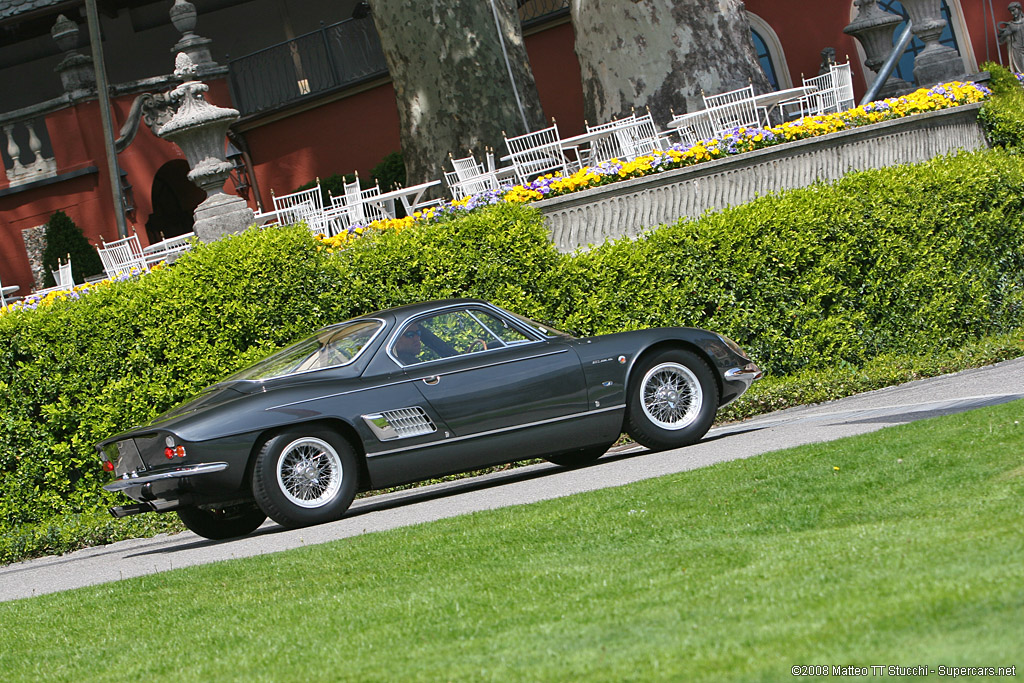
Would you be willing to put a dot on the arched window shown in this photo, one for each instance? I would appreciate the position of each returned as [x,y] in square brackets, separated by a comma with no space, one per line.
[769,52]
[765,58]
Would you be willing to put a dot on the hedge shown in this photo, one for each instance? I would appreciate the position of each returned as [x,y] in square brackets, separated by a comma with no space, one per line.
[1003,114]
[920,258]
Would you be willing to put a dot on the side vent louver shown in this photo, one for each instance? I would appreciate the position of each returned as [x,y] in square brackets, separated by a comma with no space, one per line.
[400,424]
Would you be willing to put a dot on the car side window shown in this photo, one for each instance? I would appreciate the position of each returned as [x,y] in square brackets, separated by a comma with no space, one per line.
[445,335]
[500,328]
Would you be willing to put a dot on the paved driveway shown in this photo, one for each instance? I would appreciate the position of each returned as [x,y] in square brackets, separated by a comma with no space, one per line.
[824,422]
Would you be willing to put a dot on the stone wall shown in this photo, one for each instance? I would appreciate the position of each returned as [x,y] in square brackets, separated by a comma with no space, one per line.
[629,207]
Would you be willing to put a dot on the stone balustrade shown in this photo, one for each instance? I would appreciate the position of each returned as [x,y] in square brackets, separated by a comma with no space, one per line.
[627,208]
[24,142]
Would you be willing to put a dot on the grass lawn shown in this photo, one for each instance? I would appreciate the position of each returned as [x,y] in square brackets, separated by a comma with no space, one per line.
[902,547]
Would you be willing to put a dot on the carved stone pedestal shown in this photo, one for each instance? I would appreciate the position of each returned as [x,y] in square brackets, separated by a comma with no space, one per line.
[199,129]
[221,214]
[937,62]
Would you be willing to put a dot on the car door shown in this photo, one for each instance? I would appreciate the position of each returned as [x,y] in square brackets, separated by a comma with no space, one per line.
[483,373]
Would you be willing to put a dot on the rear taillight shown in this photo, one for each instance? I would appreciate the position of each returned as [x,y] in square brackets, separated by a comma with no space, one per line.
[173,451]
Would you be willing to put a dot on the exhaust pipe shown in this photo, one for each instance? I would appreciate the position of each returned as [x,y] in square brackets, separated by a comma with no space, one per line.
[120,511]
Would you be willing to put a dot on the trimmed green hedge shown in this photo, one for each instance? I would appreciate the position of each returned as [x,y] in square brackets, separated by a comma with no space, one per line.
[920,259]
[916,257]
[1003,114]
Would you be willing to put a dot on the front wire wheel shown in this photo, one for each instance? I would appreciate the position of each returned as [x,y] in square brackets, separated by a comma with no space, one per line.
[672,397]
[672,401]
[309,472]
[305,476]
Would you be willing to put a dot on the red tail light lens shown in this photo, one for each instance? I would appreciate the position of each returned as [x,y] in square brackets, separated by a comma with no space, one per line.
[169,453]
[108,466]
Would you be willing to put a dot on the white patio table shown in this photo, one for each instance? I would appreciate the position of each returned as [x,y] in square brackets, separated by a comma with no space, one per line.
[409,196]
[155,253]
[770,100]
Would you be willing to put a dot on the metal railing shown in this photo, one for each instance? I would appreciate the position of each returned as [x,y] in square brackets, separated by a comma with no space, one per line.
[532,12]
[336,56]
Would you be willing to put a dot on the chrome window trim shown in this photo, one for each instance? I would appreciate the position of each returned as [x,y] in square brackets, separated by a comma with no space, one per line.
[390,343]
[369,342]
[492,432]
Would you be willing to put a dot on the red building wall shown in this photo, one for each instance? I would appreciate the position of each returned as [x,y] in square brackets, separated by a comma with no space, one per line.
[356,131]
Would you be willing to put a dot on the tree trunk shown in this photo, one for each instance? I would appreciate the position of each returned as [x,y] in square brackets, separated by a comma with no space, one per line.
[452,81]
[660,54]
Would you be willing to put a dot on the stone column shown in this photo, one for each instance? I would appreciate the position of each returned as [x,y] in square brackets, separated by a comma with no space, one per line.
[936,63]
[199,129]
[874,28]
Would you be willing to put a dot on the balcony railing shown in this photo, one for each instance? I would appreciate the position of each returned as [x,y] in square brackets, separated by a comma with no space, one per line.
[25,149]
[336,56]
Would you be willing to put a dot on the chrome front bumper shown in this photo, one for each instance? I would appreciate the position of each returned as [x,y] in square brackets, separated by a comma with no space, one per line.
[746,375]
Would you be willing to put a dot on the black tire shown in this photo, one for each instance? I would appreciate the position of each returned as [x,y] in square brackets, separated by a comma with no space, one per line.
[229,522]
[673,399]
[579,458]
[305,476]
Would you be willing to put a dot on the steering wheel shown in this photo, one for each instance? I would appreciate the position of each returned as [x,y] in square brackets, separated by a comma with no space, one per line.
[476,345]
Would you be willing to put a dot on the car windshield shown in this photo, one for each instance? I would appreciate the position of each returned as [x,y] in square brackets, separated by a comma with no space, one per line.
[330,347]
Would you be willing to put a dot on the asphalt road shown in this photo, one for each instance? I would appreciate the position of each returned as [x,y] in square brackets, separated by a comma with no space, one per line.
[867,412]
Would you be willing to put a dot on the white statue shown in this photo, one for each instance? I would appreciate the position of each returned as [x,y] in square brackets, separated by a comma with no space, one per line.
[1012,34]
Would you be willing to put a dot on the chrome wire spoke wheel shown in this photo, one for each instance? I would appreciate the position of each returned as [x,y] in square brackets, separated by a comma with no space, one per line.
[309,472]
[671,396]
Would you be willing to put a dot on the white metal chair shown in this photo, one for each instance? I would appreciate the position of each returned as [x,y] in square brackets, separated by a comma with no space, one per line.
[123,257]
[832,93]
[472,176]
[62,278]
[538,153]
[641,136]
[734,109]
[843,79]
[302,206]
[336,219]
[608,148]
[692,127]
[820,100]
[359,204]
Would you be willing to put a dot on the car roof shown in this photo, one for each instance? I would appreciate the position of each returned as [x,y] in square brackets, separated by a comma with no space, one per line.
[412,310]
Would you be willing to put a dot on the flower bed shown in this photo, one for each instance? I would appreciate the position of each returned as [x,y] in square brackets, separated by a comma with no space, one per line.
[35,300]
[737,141]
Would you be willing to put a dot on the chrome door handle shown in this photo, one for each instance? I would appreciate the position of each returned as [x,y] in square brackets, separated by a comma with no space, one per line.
[431,380]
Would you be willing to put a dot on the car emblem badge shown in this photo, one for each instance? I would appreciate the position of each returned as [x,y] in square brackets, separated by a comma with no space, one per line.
[622,360]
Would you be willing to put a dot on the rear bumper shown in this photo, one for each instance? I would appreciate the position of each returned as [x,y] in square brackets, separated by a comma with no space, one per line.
[128,482]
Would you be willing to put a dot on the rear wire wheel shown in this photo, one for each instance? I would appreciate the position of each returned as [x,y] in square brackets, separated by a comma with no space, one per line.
[305,476]
[221,523]
[673,400]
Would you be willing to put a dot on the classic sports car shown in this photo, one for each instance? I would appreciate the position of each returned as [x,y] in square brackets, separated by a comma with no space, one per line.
[413,393]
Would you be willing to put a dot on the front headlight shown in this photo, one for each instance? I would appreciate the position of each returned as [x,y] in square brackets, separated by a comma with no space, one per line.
[733,346]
